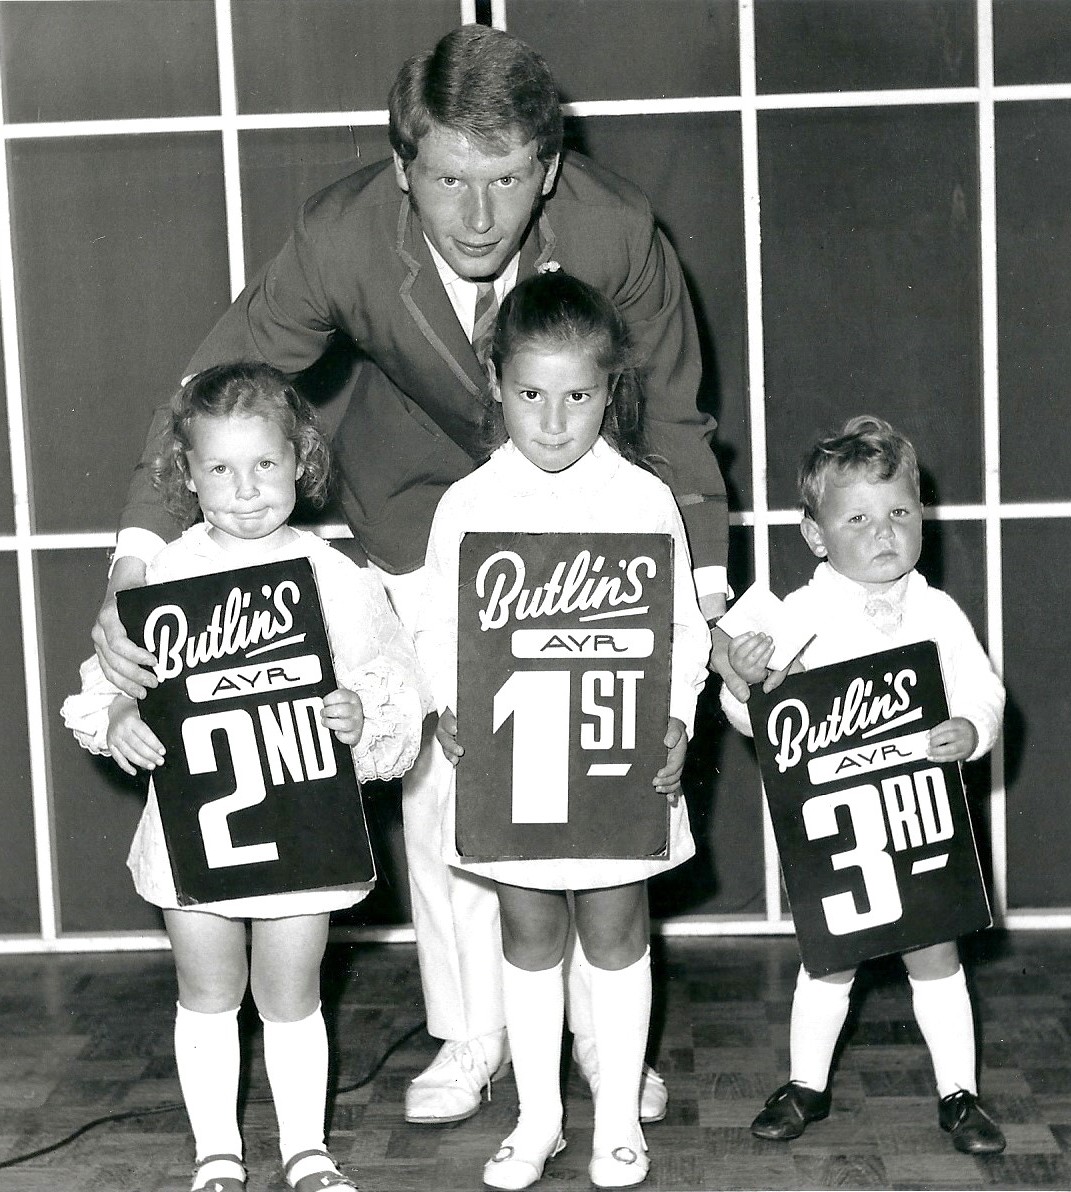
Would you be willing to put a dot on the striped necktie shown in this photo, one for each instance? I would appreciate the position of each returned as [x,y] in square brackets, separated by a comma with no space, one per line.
[483,325]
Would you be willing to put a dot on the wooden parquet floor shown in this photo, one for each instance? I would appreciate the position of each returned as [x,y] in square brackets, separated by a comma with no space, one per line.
[82,1037]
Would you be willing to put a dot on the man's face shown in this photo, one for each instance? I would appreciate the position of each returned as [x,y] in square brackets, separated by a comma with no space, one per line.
[474,204]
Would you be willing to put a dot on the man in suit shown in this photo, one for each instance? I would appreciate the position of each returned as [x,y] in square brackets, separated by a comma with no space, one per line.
[408,259]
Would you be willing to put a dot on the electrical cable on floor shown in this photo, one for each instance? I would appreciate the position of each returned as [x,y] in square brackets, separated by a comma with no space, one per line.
[129,1114]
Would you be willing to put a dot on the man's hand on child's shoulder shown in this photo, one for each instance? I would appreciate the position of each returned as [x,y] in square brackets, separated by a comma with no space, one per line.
[952,741]
[446,735]
[125,665]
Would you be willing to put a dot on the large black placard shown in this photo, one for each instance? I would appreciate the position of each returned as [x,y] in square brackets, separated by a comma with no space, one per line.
[564,647]
[875,840]
[256,795]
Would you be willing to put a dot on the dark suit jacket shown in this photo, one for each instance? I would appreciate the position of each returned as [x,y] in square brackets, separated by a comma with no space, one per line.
[357,264]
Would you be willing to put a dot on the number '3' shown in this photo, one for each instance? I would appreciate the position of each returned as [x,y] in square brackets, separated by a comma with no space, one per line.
[868,856]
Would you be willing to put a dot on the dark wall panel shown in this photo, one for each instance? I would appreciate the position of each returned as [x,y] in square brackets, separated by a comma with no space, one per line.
[121,268]
[18,872]
[863,45]
[1034,263]
[96,806]
[281,168]
[687,47]
[1037,561]
[690,168]
[329,55]
[791,562]
[1032,41]
[870,284]
[108,61]
[953,559]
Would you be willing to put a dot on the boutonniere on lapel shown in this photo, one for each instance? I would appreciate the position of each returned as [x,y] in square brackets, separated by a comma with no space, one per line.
[549,267]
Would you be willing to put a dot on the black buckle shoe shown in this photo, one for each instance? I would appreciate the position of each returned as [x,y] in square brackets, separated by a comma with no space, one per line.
[788,1111]
[972,1130]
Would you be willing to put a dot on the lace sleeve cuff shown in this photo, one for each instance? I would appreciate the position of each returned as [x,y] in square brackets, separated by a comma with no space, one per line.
[392,721]
[86,714]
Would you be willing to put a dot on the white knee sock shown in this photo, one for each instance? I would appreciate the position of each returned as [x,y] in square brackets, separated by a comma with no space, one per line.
[208,1060]
[943,1012]
[535,1011]
[295,1056]
[621,1016]
[819,1009]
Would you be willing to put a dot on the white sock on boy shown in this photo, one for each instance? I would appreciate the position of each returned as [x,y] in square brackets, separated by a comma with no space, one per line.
[943,1012]
[819,1009]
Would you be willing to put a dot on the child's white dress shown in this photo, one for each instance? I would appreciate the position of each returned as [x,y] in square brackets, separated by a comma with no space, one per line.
[850,622]
[372,655]
[602,492]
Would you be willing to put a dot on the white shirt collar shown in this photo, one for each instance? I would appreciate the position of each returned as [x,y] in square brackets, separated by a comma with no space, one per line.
[885,610]
[462,291]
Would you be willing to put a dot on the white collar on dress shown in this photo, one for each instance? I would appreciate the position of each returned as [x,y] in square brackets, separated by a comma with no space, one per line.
[597,466]
[203,544]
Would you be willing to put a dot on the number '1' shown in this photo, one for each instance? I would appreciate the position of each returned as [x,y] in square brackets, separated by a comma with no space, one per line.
[538,701]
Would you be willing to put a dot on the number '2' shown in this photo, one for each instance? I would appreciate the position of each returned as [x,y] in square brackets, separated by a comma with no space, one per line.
[220,849]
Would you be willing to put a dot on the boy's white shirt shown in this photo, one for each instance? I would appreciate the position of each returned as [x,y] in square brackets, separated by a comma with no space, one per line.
[831,606]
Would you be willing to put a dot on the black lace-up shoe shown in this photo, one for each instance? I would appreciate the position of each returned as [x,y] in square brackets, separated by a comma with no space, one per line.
[972,1130]
[788,1111]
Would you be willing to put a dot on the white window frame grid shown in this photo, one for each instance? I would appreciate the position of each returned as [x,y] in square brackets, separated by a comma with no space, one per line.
[992,512]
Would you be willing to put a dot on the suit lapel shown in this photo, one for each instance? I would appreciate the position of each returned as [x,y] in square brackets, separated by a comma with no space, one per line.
[538,247]
[424,297]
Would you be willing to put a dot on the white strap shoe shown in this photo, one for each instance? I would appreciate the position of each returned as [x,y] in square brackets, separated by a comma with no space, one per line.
[618,1167]
[450,1087]
[518,1163]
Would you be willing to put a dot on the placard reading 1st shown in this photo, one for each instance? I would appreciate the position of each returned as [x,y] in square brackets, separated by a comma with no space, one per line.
[564,645]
